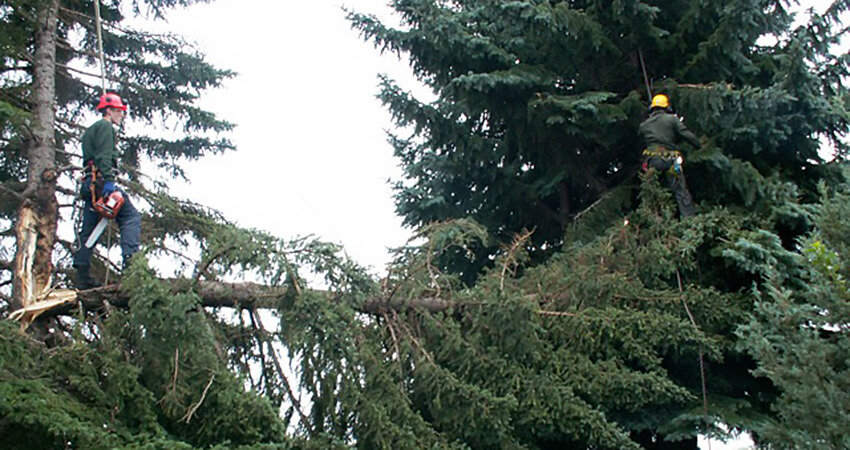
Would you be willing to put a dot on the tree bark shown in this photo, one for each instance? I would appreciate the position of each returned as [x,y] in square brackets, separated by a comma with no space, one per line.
[215,294]
[35,228]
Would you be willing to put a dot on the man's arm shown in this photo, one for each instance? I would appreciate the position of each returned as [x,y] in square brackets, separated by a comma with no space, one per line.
[687,134]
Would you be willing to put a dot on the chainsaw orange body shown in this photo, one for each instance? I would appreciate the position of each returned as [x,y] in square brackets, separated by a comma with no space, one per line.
[109,205]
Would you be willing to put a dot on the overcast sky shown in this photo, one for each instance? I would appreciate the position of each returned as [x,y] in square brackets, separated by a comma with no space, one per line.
[312,153]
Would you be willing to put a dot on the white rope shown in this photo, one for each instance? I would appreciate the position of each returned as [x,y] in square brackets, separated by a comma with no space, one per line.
[103,88]
[100,46]
[108,249]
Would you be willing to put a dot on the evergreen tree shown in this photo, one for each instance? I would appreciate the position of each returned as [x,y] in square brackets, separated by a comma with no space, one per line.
[800,340]
[538,104]
[552,299]
[50,80]
[153,378]
[534,128]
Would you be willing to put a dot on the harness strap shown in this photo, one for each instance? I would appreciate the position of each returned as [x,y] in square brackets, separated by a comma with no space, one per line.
[93,184]
[661,152]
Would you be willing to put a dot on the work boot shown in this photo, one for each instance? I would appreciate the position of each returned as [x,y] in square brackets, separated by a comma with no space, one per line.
[84,279]
[125,265]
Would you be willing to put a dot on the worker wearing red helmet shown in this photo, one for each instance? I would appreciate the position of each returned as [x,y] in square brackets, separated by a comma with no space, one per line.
[100,163]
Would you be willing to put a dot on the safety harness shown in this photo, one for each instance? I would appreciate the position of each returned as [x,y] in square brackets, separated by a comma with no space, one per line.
[93,184]
[665,154]
[661,152]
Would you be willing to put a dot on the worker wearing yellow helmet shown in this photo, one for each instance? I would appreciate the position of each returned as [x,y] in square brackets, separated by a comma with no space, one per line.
[661,132]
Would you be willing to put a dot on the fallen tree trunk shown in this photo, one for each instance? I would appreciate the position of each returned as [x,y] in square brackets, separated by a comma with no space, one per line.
[213,294]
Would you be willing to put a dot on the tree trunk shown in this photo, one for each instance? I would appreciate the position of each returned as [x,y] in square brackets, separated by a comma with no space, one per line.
[216,294]
[36,225]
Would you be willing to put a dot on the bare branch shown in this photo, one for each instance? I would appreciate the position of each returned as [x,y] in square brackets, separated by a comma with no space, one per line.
[511,252]
[191,412]
[593,205]
[557,313]
[262,335]
[206,265]
[17,195]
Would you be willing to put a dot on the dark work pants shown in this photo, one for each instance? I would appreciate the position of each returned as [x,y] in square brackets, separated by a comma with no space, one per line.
[129,223]
[676,183]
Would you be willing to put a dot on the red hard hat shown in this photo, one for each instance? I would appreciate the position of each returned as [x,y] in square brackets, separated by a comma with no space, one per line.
[111,100]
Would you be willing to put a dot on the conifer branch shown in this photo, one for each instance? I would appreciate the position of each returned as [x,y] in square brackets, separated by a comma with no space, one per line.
[176,370]
[12,192]
[203,269]
[188,417]
[219,294]
[396,347]
[262,335]
[90,74]
[73,125]
[88,20]
[80,51]
[557,313]
[592,205]
[511,259]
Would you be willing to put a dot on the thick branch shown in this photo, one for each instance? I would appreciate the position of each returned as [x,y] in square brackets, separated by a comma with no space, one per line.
[216,294]
[213,294]
[380,305]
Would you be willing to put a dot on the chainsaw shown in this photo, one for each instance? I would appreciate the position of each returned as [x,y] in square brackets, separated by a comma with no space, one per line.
[107,207]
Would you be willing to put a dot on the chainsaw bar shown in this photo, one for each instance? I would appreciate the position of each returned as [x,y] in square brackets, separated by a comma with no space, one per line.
[95,234]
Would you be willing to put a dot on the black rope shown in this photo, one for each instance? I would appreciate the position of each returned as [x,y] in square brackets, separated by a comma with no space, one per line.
[645,76]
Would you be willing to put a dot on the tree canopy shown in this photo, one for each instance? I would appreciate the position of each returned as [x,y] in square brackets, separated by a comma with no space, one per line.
[539,102]
[550,298]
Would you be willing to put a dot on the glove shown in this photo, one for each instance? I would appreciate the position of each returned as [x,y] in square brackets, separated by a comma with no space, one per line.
[108,188]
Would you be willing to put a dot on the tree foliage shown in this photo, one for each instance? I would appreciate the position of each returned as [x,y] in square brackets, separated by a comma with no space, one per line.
[800,339]
[159,76]
[538,104]
[550,298]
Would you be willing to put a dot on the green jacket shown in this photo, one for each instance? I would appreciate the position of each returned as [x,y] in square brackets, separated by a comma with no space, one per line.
[663,129]
[100,146]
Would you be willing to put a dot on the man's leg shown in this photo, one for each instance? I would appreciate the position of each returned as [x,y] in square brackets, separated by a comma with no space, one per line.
[660,165]
[130,223]
[82,258]
[680,192]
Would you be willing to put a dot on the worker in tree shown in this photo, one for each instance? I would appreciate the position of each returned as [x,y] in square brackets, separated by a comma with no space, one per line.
[100,167]
[660,133]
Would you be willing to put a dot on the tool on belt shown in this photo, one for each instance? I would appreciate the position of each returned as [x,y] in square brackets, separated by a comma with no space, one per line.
[663,153]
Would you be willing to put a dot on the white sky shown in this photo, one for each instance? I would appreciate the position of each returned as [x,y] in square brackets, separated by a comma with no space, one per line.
[312,156]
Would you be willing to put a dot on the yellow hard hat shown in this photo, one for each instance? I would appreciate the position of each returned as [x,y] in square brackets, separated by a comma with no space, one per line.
[660,101]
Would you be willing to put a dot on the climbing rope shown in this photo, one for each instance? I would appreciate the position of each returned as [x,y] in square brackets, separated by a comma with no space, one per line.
[645,76]
[98,29]
[79,204]
[701,356]
[100,45]
[108,249]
